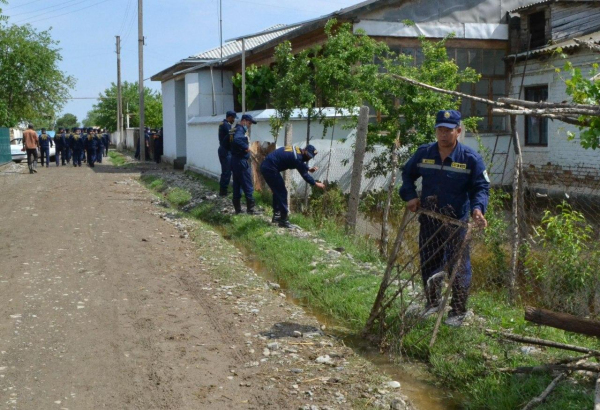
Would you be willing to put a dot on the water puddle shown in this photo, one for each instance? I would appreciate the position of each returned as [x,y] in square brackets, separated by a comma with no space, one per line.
[417,383]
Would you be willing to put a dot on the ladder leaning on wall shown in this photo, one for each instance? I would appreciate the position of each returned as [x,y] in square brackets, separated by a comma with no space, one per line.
[495,153]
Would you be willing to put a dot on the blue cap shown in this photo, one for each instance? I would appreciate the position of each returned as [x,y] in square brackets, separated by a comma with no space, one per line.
[231,114]
[448,119]
[311,151]
[249,118]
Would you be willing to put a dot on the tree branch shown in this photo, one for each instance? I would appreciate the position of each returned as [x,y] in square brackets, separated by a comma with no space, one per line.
[568,120]
[542,397]
[544,104]
[541,342]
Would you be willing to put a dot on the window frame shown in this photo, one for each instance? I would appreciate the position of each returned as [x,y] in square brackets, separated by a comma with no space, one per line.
[527,117]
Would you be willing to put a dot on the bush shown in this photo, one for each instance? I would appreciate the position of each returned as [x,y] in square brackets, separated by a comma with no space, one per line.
[330,204]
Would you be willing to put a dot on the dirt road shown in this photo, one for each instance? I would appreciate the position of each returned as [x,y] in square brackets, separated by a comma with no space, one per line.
[106,305]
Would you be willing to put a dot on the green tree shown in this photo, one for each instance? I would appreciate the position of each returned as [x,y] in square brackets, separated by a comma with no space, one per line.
[259,84]
[67,121]
[31,84]
[104,113]
[91,120]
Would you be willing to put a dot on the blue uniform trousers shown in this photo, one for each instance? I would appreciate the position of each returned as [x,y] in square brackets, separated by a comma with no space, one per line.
[275,181]
[68,154]
[439,244]
[45,154]
[99,152]
[77,155]
[242,178]
[60,154]
[225,160]
[91,156]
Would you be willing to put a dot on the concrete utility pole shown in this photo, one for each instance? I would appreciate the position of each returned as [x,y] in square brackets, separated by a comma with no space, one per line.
[141,78]
[119,99]
[243,76]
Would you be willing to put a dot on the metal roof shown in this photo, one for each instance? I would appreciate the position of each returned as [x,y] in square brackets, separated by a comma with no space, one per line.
[539,3]
[235,47]
[565,45]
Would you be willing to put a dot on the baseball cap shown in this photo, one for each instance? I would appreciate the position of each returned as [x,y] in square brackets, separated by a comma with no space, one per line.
[231,114]
[249,118]
[448,119]
[311,151]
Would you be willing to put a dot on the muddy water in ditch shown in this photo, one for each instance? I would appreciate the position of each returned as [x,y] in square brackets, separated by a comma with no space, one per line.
[417,383]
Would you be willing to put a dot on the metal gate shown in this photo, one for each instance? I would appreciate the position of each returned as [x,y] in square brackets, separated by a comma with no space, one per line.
[5,155]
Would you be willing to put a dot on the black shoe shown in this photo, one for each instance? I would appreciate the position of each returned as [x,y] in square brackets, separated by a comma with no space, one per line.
[276,217]
[237,205]
[285,223]
[222,192]
[250,207]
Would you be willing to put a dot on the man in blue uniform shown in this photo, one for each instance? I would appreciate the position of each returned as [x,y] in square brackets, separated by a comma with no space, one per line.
[60,140]
[68,148]
[282,159]
[91,145]
[45,144]
[99,145]
[157,143]
[240,165]
[106,141]
[76,144]
[454,183]
[224,151]
[84,136]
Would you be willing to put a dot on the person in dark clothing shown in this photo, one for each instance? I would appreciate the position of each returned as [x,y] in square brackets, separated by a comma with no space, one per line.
[455,184]
[60,142]
[45,144]
[224,151]
[106,141]
[240,165]
[282,159]
[157,141]
[76,144]
[99,146]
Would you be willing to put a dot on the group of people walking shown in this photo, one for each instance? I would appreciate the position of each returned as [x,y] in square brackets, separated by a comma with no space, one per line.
[153,141]
[79,145]
[234,156]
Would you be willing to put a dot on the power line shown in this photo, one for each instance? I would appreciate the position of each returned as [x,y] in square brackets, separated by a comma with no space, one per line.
[70,12]
[45,8]
[24,4]
[125,16]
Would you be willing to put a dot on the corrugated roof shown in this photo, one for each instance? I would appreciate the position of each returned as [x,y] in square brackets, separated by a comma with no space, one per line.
[235,47]
[565,45]
[539,3]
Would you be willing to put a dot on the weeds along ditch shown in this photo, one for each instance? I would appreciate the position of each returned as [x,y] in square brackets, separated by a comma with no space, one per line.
[343,286]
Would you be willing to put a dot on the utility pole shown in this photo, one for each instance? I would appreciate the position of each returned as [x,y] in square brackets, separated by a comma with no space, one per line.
[119,100]
[141,78]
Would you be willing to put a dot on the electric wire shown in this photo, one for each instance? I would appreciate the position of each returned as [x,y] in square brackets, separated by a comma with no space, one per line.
[30,18]
[49,7]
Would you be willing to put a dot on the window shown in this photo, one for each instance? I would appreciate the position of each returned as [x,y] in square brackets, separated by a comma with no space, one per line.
[537,29]
[536,128]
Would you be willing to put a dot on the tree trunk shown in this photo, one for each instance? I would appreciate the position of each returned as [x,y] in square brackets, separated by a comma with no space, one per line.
[563,321]
[287,175]
[357,169]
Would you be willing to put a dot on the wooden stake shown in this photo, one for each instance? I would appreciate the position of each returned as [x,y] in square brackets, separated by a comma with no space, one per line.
[563,321]
[541,342]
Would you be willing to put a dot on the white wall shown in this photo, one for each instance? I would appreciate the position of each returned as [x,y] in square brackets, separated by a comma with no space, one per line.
[560,151]
[169,120]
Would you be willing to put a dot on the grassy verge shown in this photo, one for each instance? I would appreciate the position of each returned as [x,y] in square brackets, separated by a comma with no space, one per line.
[116,158]
[465,359]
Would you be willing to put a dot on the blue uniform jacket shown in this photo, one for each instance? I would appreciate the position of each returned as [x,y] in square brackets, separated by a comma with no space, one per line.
[76,142]
[285,158]
[458,185]
[99,141]
[60,141]
[90,143]
[224,130]
[240,143]
[45,141]
[106,139]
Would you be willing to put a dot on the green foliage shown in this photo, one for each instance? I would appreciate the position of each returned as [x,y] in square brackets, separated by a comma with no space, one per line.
[104,113]
[372,203]
[567,269]
[67,121]
[259,85]
[585,91]
[32,87]
[408,111]
[177,196]
[116,158]
[330,204]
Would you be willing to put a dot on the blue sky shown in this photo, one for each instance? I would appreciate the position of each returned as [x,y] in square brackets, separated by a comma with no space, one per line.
[174,29]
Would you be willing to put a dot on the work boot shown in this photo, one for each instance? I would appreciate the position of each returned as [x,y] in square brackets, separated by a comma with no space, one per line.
[433,293]
[250,207]
[458,306]
[276,217]
[223,192]
[237,205]
[284,222]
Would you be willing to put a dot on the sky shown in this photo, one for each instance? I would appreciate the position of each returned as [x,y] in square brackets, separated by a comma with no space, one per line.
[173,30]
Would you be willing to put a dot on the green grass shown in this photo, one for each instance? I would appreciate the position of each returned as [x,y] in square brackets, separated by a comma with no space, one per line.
[116,158]
[178,196]
[466,359]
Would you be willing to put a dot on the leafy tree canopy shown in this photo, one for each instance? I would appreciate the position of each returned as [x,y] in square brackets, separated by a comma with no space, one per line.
[67,121]
[31,85]
[104,113]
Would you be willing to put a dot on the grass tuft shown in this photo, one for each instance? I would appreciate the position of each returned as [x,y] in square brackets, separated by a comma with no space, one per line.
[178,196]
[116,158]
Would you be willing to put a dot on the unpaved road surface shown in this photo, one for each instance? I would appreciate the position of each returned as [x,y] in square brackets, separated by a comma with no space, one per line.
[104,304]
